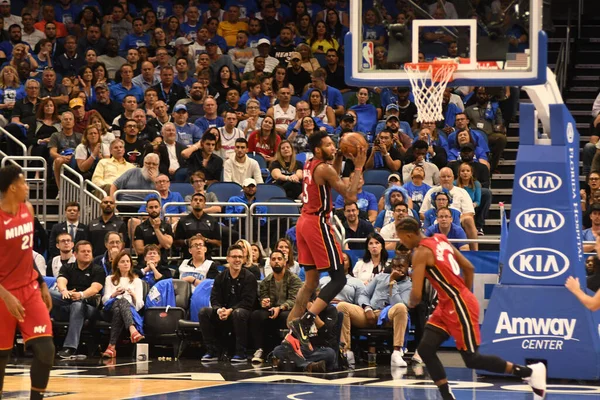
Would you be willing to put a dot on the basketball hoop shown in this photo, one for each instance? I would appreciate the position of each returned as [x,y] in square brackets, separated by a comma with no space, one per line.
[429,81]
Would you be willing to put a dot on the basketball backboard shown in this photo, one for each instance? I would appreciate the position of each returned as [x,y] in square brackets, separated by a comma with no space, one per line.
[497,45]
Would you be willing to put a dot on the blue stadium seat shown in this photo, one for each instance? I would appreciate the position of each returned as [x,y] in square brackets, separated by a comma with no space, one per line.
[302,157]
[377,177]
[377,190]
[321,58]
[347,96]
[225,190]
[266,191]
[282,209]
[183,188]
[259,158]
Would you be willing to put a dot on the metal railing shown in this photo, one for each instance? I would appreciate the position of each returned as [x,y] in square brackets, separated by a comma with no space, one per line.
[465,241]
[229,232]
[70,189]
[275,223]
[90,201]
[39,182]
[564,57]
[20,144]
[134,203]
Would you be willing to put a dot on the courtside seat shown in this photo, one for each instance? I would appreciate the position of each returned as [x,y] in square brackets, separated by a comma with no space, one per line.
[89,332]
[161,323]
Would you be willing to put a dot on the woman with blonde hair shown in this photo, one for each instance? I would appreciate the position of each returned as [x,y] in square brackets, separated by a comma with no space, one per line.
[95,119]
[11,90]
[286,171]
[307,61]
[123,295]
[90,151]
[248,263]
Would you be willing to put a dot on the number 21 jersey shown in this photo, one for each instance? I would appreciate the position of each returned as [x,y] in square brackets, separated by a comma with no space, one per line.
[16,249]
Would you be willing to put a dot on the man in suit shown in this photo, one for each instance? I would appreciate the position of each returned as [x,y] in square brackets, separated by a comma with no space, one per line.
[72,226]
[172,162]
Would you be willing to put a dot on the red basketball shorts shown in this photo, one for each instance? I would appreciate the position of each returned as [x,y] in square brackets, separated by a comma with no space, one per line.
[460,319]
[316,244]
[37,318]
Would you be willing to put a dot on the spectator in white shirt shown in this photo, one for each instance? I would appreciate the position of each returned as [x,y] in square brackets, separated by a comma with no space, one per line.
[240,167]
[64,244]
[197,268]
[374,260]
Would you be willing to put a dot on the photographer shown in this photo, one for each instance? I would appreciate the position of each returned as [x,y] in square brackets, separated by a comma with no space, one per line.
[384,155]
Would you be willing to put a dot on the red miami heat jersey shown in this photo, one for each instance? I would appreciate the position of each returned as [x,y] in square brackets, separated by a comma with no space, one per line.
[445,274]
[316,198]
[16,249]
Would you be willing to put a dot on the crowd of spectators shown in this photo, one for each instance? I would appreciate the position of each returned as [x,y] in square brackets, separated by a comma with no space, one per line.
[136,95]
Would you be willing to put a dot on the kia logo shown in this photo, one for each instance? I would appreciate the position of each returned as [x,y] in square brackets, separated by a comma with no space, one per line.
[540,182]
[570,133]
[539,263]
[540,220]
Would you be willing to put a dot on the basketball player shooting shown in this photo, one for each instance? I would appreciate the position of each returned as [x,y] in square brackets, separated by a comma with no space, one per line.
[457,313]
[318,250]
[25,300]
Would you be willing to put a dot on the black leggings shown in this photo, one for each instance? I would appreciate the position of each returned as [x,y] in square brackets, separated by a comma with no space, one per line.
[431,342]
[334,286]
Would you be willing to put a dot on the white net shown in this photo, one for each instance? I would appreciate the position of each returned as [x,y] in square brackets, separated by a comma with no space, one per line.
[428,83]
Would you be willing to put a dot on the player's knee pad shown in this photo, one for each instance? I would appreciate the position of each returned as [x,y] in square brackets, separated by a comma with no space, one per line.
[473,360]
[43,349]
[333,287]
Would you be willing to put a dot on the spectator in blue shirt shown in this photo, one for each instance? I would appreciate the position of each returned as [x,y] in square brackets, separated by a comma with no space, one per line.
[333,97]
[247,197]
[211,118]
[136,39]
[416,188]
[372,31]
[118,91]
[440,200]
[162,8]
[163,184]
[366,201]
[187,133]
[447,228]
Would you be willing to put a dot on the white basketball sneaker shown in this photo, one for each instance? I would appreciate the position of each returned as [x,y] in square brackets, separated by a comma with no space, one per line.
[537,380]
[397,360]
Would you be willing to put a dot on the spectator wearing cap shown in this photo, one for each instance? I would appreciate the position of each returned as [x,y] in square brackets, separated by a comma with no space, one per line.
[241,53]
[402,142]
[197,222]
[9,19]
[247,197]
[333,97]
[297,76]
[347,124]
[383,155]
[172,163]
[217,61]
[264,49]
[229,28]
[240,167]
[182,49]
[82,117]
[146,79]
[167,90]
[393,109]
[187,134]
[591,234]
[137,38]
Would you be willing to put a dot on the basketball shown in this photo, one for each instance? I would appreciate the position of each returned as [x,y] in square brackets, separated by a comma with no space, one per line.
[350,142]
